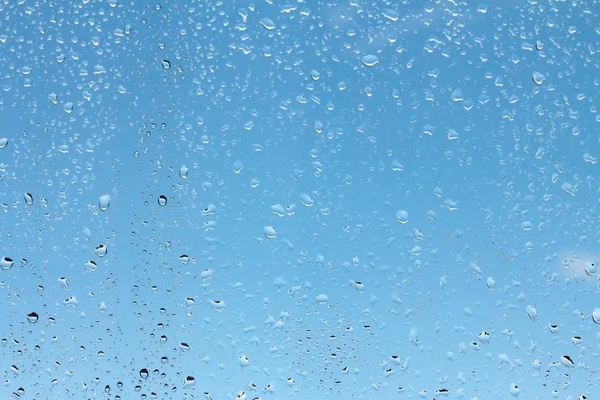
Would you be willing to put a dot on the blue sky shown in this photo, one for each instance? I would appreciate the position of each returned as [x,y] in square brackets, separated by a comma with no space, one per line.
[360,200]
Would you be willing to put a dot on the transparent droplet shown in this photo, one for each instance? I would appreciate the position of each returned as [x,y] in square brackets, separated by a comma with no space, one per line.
[538,78]
[6,263]
[237,166]
[184,347]
[144,373]
[208,210]
[162,200]
[32,317]
[91,266]
[269,232]
[188,382]
[267,23]
[322,299]
[318,126]
[184,259]
[370,60]
[306,200]
[217,305]
[590,268]
[63,283]
[596,316]
[68,107]
[112,3]
[243,361]
[28,197]
[392,15]
[531,312]
[402,216]
[104,202]
[101,250]
[3,143]
[539,45]
[166,64]
[183,172]
[315,75]
[567,361]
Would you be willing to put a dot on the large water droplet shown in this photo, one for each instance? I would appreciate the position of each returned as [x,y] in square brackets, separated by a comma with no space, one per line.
[189,382]
[402,216]
[3,143]
[538,78]
[144,373]
[63,283]
[183,172]
[162,200]
[238,166]
[370,60]
[6,263]
[322,299]
[267,23]
[28,197]
[104,202]
[270,232]
[217,305]
[166,64]
[32,317]
[596,315]
[184,259]
[101,250]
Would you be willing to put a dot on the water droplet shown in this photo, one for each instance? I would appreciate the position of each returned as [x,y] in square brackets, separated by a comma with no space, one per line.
[237,166]
[183,172]
[244,361]
[162,200]
[32,317]
[315,75]
[567,361]
[306,200]
[209,210]
[539,45]
[91,266]
[6,263]
[3,143]
[189,382]
[538,78]
[63,283]
[391,15]
[590,268]
[104,202]
[370,60]
[270,232]
[596,316]
[318,126]
[267,23]
[166,64]
[322,299]
[112,3]
[184,347]
[531,312]
[101,250]
[402,216]
[28,198]
[144,373]
[217,305]
[184,259]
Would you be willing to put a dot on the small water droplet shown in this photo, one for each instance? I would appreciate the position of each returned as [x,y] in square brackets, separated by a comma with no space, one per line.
[3,143]
[539,45]
[101,250]
[166,64]
[596,316]
[238,166]
[402,216]
[144,373]
[6,263]
[162,200]
[183,172]
[318,125]
[270,232]
[538,78]
[184,259]
[32,317]
[322,299]
[189,382]
[370,60]
[392,15]
[28,198]
[267,23]
[91,266]
[104,202]
[63,283]
[315,75]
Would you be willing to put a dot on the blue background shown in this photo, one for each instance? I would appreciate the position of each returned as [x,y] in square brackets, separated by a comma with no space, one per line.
[478,121]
